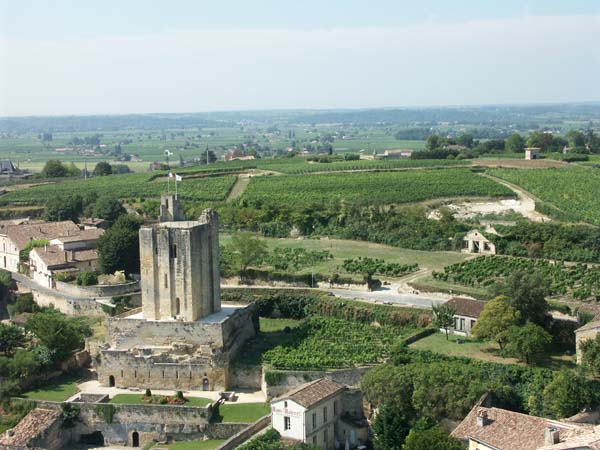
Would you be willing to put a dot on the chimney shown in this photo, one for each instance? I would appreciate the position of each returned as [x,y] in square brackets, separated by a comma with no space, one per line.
[482,418]
[551,436]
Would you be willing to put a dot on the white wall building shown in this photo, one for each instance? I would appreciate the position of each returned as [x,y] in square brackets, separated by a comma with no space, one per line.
[322,414]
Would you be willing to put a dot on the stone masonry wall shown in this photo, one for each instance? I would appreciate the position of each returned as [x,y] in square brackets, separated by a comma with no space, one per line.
[108,290]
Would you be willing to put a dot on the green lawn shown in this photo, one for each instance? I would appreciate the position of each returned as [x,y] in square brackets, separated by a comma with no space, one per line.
[486,351]
[269,325]
[242,412]
[136,399]
[210,444]
[57,390]
[346,249]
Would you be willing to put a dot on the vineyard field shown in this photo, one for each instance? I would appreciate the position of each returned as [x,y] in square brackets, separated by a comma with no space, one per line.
[323,342]
[579,280]
[379,187]
[130,186]
[574,190]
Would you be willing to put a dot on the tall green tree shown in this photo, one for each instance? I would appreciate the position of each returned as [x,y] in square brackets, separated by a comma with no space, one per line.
[102,168]
[108,207]
[246,249]
[495,320]
[118,247]
[590,354]
[443,317]
[54,169]
[515,143]
[529,342]
[11,338]
[390,428]
[567,394]
[526,292]
[430,439]
[68,207]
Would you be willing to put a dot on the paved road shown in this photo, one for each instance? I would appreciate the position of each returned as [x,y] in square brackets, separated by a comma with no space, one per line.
[419,301]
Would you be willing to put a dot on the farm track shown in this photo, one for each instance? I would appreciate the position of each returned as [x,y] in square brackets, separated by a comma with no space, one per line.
[242,182]
[527,199]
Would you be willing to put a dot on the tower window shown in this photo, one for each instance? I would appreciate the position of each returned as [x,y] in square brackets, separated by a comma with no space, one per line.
[166,282]
[174,251]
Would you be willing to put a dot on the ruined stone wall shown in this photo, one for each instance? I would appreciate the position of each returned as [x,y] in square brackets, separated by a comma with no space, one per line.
[128,370]
[245,377]
[68,305]
[238,328]
[108,290]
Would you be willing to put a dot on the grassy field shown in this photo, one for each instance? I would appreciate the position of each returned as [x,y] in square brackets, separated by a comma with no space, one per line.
[242,412]
[136,399]
[430,284]
[486,351]
[57,390]
[209,444]
[345,249]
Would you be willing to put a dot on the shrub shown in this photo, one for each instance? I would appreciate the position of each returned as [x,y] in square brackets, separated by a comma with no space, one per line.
[87,278]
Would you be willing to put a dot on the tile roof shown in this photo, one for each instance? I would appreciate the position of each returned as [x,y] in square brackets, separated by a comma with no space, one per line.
[466,306]
[30,427]
[22,234]
[310,394]
[509,430]
[81,235]
[54,256]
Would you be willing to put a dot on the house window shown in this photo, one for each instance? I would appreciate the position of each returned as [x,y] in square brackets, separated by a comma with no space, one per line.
[325,437]
[325,414]
[314,440]
[287,423]
[472,324]
[335,408]
[462,324]
[314,420]
[285,404]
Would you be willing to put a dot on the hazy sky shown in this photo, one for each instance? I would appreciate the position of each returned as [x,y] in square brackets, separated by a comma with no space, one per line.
[84,57]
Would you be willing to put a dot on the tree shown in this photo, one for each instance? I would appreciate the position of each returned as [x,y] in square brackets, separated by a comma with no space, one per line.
[567,394]
[433,142]
[576,138]
[54,169]
[515,143]
[495,320]
[526,292]
[590,354]
[443,317]
[72,170]
[529,342]
[68,207]
[246,249]
[11,338]
[102,168]
[59,333]
[108,208]
[390,428]
[429,439]
[118,247]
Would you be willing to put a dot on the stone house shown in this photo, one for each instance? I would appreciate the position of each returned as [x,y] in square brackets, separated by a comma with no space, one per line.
[46,262]
[475,242]
[400,153]
[467,312]
[16,235]
[490,428]
[322,413]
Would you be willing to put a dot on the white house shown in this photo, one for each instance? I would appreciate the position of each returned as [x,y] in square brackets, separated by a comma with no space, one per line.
[466,314]
[400,153]
[80,240]
[532,153]
[46,262]
[322,413]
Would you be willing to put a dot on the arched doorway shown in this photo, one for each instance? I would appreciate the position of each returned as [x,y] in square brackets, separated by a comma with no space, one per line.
[205,385]
[111,381]
[135,439]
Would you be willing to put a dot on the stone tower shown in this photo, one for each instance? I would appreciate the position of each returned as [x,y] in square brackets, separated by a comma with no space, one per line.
[180,268]
[170,208]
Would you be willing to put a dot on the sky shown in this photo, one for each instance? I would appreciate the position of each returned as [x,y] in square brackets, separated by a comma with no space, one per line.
[130,56]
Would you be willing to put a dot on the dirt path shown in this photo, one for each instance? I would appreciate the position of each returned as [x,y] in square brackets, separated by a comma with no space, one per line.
[239,187]
[526,200]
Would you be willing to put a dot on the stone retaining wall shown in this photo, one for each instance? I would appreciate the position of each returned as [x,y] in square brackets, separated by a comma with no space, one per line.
[245,434]
[100,290]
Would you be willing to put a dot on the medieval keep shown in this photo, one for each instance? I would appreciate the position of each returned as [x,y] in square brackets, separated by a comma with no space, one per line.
[183,338]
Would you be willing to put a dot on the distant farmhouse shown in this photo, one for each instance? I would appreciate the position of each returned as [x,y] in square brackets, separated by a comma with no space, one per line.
[532,153]
[466,314]
[322,413]
[400,153]
[475,242]
[8,170]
